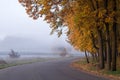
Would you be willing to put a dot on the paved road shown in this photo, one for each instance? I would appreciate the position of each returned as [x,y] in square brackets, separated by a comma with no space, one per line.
[50,70]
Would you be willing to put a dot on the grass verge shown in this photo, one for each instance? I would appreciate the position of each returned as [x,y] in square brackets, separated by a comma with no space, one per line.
[81,64]
[15,62]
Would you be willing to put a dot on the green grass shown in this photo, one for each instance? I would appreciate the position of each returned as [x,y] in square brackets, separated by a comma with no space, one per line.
[115,73]
[81,61]
[23,61]
[91,67]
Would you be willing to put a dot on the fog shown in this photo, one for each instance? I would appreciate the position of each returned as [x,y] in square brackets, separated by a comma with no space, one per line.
[26,44]
[23,34]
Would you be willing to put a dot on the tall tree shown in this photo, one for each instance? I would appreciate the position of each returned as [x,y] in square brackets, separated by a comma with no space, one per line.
[91,24]
[114,40]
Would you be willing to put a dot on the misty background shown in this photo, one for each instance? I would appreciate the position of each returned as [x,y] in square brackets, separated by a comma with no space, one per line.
[23,34]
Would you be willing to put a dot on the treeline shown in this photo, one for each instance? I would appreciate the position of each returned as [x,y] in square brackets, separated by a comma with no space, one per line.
[92,25]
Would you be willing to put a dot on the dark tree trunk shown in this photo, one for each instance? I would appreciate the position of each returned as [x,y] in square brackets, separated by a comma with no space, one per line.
[101,55]
[93,57]
[94,45]
[108,47]
[96,57]
[114,47]
[86,57]
[105,53]
[114,38]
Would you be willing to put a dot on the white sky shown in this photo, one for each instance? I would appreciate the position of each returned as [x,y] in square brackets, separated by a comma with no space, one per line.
[14,22]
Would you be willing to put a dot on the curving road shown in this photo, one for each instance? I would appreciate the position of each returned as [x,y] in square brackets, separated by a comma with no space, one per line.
[50,70]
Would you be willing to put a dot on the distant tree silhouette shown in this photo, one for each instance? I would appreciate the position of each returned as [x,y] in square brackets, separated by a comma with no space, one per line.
[14,54]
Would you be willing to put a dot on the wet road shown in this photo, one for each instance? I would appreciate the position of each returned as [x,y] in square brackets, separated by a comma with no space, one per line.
[50,70]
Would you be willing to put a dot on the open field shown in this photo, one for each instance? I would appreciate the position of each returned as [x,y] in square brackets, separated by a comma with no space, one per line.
[19,61]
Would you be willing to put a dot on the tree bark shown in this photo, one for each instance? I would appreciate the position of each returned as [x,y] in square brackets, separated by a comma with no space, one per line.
[101,55]
[114,47]
[96,56]
[105,53]
[108,47]
[107,38]
[86,57]
[114,39]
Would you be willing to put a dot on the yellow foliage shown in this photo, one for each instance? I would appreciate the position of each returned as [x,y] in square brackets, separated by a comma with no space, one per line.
[82,17]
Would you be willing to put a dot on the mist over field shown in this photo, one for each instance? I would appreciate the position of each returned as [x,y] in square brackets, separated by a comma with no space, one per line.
[27,36]
[22,44]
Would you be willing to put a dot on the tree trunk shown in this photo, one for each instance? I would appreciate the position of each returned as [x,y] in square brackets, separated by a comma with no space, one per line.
[114,47]
[95,46]
[108,47]
[101,55]
[114,38]
[93,57]
[96,57]
[86,57]
[105,53]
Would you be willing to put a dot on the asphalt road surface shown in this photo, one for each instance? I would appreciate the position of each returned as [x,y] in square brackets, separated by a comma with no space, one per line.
[50,70]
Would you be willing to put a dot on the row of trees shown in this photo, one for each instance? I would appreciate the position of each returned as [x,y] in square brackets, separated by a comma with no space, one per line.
[92,25]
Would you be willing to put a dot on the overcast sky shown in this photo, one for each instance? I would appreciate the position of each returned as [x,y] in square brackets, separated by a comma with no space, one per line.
[19,32]
[15,22]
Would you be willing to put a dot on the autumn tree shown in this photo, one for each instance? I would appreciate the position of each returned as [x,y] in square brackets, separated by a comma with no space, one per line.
[92,25]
